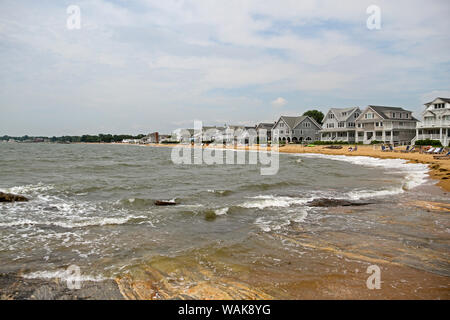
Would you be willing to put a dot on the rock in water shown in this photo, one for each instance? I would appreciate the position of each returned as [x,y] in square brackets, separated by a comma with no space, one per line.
[325,202]
[164,203]
[9,197]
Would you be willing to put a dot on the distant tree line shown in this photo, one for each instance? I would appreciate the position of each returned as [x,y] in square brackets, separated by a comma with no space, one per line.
[84,138]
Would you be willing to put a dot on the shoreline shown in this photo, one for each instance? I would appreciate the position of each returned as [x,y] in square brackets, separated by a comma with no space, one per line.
[438,169]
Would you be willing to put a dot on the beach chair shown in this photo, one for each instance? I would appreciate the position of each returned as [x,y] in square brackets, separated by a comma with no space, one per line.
[391,149]
[443,156]
[438,150]
[406,150]
[431,150]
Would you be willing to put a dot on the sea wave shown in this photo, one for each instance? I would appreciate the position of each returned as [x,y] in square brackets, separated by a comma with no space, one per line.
[96,221]
[267,201]
[278,222]
[63,275]
[415,173]
[28,189]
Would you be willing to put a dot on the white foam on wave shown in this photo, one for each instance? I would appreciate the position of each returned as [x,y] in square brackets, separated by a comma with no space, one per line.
[415,173]
[28,189]
[96,221]
[221,211]
[267,201]
[276,222]
[63,275]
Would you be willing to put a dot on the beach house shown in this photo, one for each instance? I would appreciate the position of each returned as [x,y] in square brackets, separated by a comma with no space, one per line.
[265,126]
[339,124]
[435,124]
[393,125]
[296,129]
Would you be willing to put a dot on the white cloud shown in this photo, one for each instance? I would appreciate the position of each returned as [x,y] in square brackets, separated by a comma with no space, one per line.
[279,102]
[167,61]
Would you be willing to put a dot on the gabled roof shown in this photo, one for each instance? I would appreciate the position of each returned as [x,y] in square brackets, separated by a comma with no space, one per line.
[338,113]
[383,110]
[292,122]
[447,100]
[265,125]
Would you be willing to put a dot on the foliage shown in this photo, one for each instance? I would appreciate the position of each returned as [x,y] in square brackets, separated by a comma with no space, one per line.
[428,142]
[315,114]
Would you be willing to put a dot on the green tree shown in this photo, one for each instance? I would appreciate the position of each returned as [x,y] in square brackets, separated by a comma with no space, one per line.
[315,114]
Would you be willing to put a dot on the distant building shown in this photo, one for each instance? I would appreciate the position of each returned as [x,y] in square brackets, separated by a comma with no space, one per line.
[265,126]
[296,129]
[151,138]
[392,125]
[435,123]
[183,135]
[339,125]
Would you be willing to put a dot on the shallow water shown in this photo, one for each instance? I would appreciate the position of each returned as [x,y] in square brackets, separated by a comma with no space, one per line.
[234,232]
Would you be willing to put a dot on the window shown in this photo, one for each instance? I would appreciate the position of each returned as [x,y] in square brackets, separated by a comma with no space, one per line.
[344,114]
[351,124]
[393,114]
[356,115]
[330,125]
[281,131]
[368,116]
[407,115]
[306,124]
[331,116]
[341,124]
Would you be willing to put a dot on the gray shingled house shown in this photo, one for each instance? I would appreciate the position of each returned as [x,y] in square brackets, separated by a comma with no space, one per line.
[296,129]
[392,125]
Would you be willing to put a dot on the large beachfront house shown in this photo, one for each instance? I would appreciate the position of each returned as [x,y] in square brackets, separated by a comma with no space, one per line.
[392,125]
[339,125]
[296,129]
[436,121]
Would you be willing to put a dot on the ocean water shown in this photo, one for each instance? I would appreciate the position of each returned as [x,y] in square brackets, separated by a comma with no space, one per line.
[93,206]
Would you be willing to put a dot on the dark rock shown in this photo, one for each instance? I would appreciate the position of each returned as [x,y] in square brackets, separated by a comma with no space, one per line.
[9,197]
[164,203]
[325,202]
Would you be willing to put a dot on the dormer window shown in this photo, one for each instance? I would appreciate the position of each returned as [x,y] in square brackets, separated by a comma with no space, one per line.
[356,115]
[331,116]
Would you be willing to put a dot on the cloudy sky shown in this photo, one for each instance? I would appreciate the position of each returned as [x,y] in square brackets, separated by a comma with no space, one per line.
[140,66]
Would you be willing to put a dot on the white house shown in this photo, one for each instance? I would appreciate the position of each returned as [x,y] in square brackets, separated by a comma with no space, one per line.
[436,121]
[339,124]
[392,125]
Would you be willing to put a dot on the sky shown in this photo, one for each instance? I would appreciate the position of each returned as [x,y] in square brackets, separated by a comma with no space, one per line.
[142,66]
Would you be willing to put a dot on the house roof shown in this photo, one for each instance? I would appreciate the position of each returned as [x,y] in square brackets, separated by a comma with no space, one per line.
[265,125]
[292,122]
[383,110]
[443,99]
[338,113]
